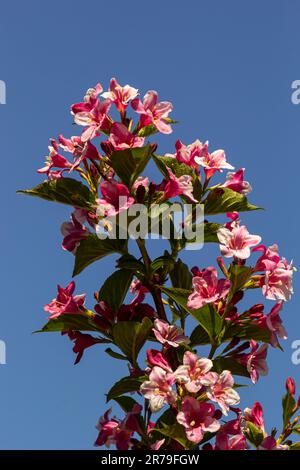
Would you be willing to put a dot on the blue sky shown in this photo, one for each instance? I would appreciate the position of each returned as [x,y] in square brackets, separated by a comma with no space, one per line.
[228,68]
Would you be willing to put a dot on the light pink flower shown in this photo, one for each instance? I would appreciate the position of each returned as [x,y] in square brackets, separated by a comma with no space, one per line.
[236,242]
[197,419]
[187,153]
[269,259]
[235,181]
[269,443]
[213,162]
[208,288]
[194,372]
[65,302]
[273,323]
[120,95]
[121,138]
[255,415]
[224,442]
[74,231]
[277,283]
[222,392]
[116,198]
[153,112]
[158,389]
[255,361]
[177,186]
[169,335]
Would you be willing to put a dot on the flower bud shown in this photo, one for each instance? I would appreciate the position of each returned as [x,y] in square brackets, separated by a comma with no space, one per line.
[290,386]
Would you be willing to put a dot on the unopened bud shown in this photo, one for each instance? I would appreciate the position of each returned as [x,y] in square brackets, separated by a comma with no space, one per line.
[290,386]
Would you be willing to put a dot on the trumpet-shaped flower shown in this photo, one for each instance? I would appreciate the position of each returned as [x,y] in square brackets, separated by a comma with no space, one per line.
[187,153]
[213,162]
[255,415]
[121,138]
[169,335]
[65,302]
[222,391]
[120,95]
[153,112]
[177,186]
[269,258]
[208,288]
[236,242]
[194,373]
[277,284]
[197,418]
[116,198]
[236,182]
[158,389]
[74,231]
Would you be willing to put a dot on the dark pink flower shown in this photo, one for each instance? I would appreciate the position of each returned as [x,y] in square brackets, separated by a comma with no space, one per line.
[194,373]
[82,341]
[65,302]
[158,389]
[93,114]
[187,153]
[224,442]
[197,418]
[169,335]
[116,198]
[182,185]
[235,181]
[106,428]
[79,149]
[273,323]
[290,386]
[255,415]
[120,137]
[120,95]
[269,443]
[153,112]
[255,361]
[55,160]
[155,358]
[269,259]
[208,288]
[74,231]
[140,291]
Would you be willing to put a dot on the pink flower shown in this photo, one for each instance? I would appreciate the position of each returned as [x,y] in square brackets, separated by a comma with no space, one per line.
[141,181]
[89,100]
[213,162]
[235,181]
[140,291]
[74,231]
[221,391]
[197,418]
[116,198]
[155,358]
[290,386]
[187,153]
[208,288]
[169,335]
[55,160]
[273,323]
[158,389]
[121,138]
[79,149]
[269,443]
[65,302]
[92,114]
[106,428]
[269,259]
[277,283]
[177,186]
[255,415]
[236,242]
[82,341]
[119,95]
[194,372]
[153,112]
[255,361]
[224,442]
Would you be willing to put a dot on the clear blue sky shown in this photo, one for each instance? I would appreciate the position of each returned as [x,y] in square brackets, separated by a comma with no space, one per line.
[227,67]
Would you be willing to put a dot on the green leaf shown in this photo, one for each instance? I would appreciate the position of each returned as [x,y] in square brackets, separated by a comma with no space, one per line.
[210,232]
[70,321]
[162,262]
[206,316]
[254,332]
[175,432]
[226,363]
[181,276]
[222,200]
[147,131]
[239,276]
[254,434]
[126,403]
[296,430]
[125,385]
[92,249]
[130,337]
[128,261]
[199,336]
[65,191]
[295,446]
[130,163]
[115,288]
[115,355]
[288,408]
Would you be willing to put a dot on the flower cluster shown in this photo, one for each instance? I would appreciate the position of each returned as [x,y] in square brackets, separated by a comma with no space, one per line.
[184,400]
